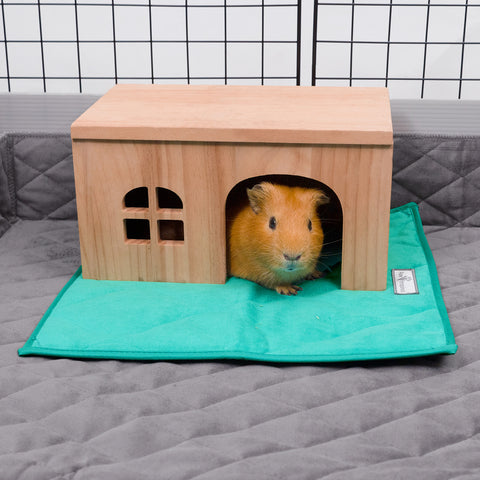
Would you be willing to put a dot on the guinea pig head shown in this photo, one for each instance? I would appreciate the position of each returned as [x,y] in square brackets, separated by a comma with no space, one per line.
[287,227]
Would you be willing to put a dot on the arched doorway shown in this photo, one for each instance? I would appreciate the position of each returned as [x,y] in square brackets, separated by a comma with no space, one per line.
[330,214]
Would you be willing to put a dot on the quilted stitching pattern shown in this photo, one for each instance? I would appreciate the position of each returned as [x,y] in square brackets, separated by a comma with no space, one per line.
[44,177]
[7,188]
[63,419]
[442,175]
[72,419]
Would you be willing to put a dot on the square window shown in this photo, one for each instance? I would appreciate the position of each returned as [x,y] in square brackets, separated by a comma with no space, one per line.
[132,23]
[170,230]
[25,60]
[95,23]
[137,229]
[443,61]
[281,24]
[134,60]
[136,198]
[334,23]
[369,61]
[97,60]
[280,60]
[244,24]
[408,24]
[207,60]
[61,59]
[58,22]
[168,24]
[244,60]
[170,60]
[168,199]
[206,24]
[22,22]
[333,60]
[446,24]
[371,23]
[406,61]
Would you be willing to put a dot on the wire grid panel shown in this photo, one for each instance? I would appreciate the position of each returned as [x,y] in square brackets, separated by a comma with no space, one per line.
[89,45]
[417,48]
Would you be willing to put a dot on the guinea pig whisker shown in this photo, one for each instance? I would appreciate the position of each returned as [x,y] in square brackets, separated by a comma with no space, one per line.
[332,242]
[325,266]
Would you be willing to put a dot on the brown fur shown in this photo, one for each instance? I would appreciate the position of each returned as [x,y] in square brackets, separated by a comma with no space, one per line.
[257,252]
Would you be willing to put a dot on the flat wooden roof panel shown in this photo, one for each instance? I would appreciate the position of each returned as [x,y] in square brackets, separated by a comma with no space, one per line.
[225,113]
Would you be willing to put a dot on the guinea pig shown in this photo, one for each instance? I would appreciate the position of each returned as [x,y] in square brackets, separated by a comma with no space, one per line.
[276,239]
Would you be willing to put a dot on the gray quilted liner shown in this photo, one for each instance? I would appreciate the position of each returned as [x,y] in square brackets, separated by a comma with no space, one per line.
[73,419]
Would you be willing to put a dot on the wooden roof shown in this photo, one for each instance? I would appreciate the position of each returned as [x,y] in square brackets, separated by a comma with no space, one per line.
[218,113]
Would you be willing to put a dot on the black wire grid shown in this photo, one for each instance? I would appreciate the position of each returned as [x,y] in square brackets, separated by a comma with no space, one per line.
[89,45]
[153,41]
[433,59]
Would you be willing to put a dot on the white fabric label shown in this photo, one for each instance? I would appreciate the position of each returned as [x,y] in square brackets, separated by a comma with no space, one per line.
[404,281]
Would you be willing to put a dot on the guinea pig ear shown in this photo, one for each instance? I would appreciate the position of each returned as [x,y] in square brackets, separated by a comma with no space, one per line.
[257,195]
[320,198]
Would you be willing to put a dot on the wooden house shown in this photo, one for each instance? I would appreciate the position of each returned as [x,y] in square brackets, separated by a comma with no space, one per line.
[154,166]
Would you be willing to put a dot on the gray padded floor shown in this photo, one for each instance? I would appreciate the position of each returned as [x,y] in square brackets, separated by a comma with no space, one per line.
[64,419]
[79,419]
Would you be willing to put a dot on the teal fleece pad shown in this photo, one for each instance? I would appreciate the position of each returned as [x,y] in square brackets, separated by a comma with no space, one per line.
[241,320]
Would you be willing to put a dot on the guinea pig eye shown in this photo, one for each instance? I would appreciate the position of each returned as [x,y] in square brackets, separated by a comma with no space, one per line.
[272,223]
[310,225]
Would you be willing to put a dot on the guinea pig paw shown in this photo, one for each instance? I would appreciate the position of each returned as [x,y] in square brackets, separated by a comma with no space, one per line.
[288,289]
[315,275]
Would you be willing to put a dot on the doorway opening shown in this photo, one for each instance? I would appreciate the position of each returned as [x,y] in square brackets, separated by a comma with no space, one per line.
[330,214]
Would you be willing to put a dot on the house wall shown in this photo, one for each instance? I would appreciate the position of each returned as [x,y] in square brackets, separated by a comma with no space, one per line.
[203,174]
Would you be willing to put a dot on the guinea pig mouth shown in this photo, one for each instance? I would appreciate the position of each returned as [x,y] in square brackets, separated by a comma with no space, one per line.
[292,266]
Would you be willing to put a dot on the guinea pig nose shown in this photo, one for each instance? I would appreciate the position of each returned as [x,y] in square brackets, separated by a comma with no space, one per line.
[292,258]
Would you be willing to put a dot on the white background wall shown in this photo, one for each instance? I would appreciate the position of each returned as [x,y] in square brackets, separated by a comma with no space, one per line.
[77,40]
